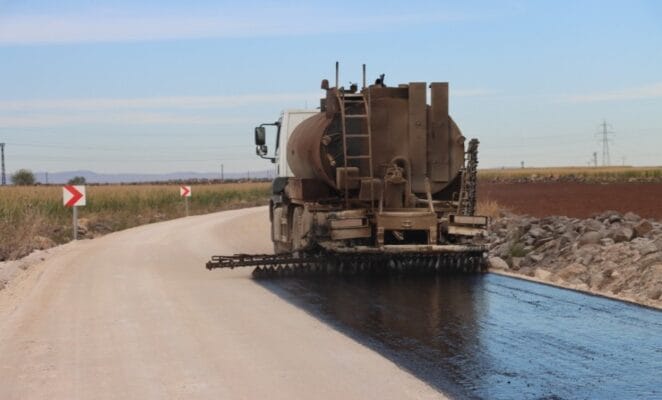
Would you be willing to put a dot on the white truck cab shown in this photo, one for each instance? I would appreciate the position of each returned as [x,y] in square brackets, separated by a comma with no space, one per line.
[288,121]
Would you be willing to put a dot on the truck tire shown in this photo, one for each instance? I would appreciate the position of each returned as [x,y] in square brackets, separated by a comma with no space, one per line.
[279,230]
[280,247]
[297,229]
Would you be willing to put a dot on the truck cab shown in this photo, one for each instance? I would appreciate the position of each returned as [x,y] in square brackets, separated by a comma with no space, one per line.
[282,129]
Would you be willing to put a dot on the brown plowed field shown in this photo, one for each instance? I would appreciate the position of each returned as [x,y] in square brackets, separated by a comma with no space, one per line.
[579,200]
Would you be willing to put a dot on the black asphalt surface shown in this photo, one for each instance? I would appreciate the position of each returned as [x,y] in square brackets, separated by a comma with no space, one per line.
[493,337]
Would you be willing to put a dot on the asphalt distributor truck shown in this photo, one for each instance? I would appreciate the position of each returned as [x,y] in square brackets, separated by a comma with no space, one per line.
[375,179]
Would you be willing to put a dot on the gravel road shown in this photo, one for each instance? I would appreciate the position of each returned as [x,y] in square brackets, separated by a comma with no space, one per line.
[134,315]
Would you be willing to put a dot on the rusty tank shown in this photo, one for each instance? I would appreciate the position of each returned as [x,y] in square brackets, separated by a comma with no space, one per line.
[405,130]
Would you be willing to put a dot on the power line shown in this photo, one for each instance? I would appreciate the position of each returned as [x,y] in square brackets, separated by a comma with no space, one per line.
[113,159]
[2,162]
[604,138]
[174,147]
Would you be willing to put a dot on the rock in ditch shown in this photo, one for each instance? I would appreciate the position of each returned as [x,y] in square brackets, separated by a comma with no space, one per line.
[610,252]
[651,259]
[497,263]
[654,293]
[607,241]
[502,250]
[592,225]
[642,228]
[536,232]
[542,274]
[606,215]
[631,217]
[567,237]
[516,262]
[655,233]
[621,234]
[535,257]
[655,273]
[573,273]
[547,245]
[614,218]
[592,237]
[644,246]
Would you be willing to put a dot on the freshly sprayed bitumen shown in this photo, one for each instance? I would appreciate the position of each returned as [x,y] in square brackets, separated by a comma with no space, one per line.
[493,337]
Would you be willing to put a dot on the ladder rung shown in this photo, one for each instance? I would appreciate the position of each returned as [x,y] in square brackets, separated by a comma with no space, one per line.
[357,100]
[356,135]
[357,157]
[356,116]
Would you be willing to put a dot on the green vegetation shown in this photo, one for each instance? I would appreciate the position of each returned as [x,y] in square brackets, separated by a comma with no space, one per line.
[77,180]
[33,217]
[23,177]
[517,250]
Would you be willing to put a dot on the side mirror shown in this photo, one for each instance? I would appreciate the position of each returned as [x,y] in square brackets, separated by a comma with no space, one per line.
[260,136]
[261,150]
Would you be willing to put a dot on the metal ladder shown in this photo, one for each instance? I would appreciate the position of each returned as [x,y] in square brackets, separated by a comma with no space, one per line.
[363,101]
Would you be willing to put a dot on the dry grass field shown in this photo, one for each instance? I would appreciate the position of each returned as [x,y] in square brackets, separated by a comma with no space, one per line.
[573,174]
[33,217]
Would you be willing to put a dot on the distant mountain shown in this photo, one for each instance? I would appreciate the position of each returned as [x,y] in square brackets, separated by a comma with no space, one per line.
[93,177]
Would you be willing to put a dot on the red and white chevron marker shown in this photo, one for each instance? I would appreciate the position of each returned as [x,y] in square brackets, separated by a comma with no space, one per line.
[73,195]
[185,191]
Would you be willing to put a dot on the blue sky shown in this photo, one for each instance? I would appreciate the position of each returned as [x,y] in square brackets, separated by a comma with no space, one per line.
[142,86]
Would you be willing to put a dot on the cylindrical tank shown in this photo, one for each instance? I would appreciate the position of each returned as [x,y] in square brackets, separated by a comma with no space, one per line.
[307,155]
[403,126]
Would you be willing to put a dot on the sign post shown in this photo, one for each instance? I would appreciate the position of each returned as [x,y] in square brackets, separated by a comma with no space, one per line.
[75,222]
[74,196]
[185,192]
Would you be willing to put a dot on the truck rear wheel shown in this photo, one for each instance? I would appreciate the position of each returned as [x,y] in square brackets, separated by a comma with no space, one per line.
[280,230]
[280,247]
[297,229]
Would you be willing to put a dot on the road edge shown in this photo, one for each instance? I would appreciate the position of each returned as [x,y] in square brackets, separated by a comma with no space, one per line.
[574,288]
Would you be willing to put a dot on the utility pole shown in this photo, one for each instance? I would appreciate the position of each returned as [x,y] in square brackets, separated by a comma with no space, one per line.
[222,176]
[595,159]
[2,163]
[604,138]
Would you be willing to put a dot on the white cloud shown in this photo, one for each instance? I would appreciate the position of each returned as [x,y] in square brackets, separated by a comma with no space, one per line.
[41,120]
[176,102]
[59,29]
[650,91]
[181,110]
[173,110]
